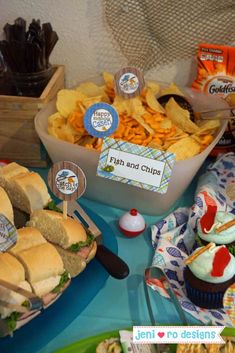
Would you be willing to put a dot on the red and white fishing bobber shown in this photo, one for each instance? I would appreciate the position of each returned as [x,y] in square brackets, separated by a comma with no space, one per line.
[132,223]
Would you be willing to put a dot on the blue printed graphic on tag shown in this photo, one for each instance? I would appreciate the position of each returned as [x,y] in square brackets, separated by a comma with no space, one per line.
[129,83]
[8,234]
[101,120]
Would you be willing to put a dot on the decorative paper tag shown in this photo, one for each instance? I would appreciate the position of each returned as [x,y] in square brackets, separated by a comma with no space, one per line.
[129,82]
[66,180]
[8,234]
[229,303]
[136,165]
[101,120]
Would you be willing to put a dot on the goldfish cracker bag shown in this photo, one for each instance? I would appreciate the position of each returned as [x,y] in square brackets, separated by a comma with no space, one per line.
[216,75]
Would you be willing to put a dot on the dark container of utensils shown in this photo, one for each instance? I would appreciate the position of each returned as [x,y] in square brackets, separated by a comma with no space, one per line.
[25,69]
[30,84]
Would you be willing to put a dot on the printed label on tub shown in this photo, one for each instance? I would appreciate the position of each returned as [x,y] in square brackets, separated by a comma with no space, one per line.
[136,165]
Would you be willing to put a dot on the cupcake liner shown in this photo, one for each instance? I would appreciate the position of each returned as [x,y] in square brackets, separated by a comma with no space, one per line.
[208,300]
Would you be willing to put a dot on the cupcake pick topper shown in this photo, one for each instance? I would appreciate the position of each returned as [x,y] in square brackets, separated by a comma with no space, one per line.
[225,226]
[208,219]
[67,181]
[229,303]
[129,82]
[101,120]
[197,253]
[221,260]
[8,234]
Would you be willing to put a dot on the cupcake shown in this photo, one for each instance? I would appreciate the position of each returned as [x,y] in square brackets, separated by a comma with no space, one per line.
[219,228]
[209,272]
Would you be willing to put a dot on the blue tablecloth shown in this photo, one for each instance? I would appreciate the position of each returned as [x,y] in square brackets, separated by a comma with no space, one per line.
[121,303]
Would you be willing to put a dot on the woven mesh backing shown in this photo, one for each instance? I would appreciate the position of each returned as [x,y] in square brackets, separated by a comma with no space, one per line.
[151,32]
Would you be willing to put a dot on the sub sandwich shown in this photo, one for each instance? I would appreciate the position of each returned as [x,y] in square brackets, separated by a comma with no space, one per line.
[45,272]
[76,246]
[42,263]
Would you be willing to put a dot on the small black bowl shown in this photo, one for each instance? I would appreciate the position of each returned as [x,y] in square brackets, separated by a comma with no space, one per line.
[182,101]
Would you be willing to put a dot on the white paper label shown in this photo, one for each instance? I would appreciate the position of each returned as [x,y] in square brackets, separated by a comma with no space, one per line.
[142,169]
[136,165]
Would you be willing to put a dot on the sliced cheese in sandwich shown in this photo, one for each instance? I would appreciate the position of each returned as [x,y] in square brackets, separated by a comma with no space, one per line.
[27,237]
[12,271]
[75,246]
[6,206]
[26,190]
[44,270]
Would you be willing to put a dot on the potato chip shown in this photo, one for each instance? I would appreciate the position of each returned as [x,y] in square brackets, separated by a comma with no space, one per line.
[172,89]
[155,88]
[129,106]
[152,101]
[108,78]
[166,124]
[203,140]
[207,126]
[143,123]
[180,117]
[58,127]
[87,102]
[185,148]
[67,100]
[87,140]
[90,89]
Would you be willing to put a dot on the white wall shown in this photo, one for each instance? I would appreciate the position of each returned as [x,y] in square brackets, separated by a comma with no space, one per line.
[82,33]
[69,19]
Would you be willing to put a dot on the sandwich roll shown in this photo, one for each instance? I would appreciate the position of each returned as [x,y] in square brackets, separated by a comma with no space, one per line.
[45,271]
[56,229]
[11,270]
[6,206]
[10,170]
[28,192]
[74,244]
[28,237]
[40,262]
[72,263]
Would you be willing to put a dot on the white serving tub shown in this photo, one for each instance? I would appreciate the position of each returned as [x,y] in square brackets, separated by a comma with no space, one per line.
[114,193]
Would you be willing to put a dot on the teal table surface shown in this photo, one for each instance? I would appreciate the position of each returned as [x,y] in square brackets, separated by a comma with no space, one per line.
[121,303]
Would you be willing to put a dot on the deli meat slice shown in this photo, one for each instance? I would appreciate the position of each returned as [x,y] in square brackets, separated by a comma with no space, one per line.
[49,298]
[84,252]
